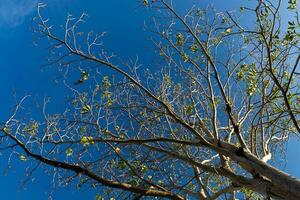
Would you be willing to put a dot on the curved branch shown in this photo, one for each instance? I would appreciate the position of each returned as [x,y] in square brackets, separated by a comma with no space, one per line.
[79,170]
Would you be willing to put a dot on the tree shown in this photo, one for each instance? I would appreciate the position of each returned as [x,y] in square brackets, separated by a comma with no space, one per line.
[203,126]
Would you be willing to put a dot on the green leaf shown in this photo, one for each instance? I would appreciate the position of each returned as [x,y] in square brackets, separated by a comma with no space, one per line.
[167,80]
[191,186]
[85,109]
[194,48]
[252,87]
[6,130]
[184,57]
[117,150]
[32,128]
[145,2]
[86,140]
[180,39]
[241,73]
[292,5]
[98,197]
[106,83]
[229,30]
[121,165]
[84,75]
[69,152]
[22,158]
[144,168]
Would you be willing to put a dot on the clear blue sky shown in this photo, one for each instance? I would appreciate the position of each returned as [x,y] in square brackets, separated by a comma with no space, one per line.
[21,70]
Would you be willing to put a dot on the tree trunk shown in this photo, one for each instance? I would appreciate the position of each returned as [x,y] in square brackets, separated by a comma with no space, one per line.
[267,179]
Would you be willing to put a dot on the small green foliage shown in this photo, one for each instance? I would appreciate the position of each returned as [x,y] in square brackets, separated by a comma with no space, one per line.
[144,168]
[292,5]
[106,83]
[252,74]
[291,25]
[131,85]
[145,2]
[117,150]
[194,48]
[84,75]
[266,83]
[106,93]
[251,195]
[241,73]
[188,109]
[215,40]
[227,31]
[87,140]
[191,186]
[22,158]
[85,109]
[160,182]
[121,165]
[167,80]
[252,87]
[224,20]
[82,129]
[108,192]
[248,73]
[98,197]
[285,74]
[32,128]
[109,102]
[139,166]
[179,39]
[82,181]
[69,152]
[6,130]
[184,57]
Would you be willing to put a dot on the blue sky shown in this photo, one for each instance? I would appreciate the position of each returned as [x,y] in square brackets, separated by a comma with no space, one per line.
[22,71]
